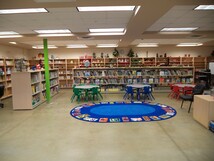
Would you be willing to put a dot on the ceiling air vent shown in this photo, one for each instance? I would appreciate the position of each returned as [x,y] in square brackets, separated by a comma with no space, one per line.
[85,38]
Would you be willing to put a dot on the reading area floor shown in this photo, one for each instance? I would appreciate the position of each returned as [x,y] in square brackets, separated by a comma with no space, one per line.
[49,133]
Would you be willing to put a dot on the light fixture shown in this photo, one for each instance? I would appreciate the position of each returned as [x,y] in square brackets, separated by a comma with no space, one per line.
[204,7]
[106,34]
[179,29]
[106,8]
[106,45]
[136,10]
[77,46]
[107,30]
[13,43]
[41,47]
[10,36]
[8,33]
[189,44]
[25,10]
[53,35]
[147,45]
[58,31]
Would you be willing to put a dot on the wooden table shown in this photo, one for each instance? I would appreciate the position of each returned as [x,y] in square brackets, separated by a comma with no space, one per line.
[203,109]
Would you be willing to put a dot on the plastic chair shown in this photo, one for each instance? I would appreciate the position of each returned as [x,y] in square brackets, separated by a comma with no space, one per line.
[129,92]
[94,92]
[197,90]
[147,92]
[177,91]
[1,94]
[76,93]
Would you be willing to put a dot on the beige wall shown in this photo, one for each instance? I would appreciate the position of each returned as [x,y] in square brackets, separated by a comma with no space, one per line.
[12,52]
[15,52]
[171,51]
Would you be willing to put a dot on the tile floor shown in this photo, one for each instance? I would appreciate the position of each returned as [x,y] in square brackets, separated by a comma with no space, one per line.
[49,133]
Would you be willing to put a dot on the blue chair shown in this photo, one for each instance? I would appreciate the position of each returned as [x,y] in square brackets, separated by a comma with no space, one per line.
[129,92]
[147,92]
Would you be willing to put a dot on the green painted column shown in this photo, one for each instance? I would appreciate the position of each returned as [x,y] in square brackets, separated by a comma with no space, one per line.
[47,74]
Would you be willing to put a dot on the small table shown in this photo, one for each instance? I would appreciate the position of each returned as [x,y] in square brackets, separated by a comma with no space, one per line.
[138,87]
[203,109]
[86,88]
[184,85]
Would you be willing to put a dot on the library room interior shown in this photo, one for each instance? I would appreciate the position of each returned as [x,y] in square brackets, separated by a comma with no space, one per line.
[106,80]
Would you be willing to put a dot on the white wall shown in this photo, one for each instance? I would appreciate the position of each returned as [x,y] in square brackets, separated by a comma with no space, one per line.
[142,52]
[12,52]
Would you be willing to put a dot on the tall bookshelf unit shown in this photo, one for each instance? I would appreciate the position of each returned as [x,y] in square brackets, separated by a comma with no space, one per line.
[29,88]
[6,67]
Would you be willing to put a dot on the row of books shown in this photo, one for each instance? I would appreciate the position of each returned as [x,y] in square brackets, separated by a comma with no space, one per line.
[135,80]
[152,72]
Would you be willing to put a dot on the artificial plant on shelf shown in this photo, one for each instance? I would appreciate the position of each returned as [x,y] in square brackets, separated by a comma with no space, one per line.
[130,53]
[115,53]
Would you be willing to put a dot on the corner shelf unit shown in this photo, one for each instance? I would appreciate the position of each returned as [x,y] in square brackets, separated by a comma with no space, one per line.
[29,88]
[160,76]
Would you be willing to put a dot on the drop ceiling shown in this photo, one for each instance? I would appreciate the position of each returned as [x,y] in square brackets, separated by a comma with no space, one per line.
[144,27]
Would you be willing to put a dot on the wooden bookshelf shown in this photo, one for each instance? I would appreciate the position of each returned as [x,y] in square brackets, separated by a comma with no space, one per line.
[187,61]
[174,61]
[6,68]
[136,62]
[150,61]
[199,63]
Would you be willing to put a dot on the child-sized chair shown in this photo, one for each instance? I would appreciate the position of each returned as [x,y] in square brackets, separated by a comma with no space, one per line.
[129,92]
[76,93]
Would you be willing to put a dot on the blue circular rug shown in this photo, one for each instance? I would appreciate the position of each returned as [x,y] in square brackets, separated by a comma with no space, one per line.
[113,112]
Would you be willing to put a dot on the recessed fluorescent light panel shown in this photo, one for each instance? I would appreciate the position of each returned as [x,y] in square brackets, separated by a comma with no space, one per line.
[13,43]
[41,47]
[107,30]
[59,31]
[77,46]
[106,33]
[179,29]
[189,44]
[205,7]
[106,8]
[26,10]
[106,45]
[9,34]
[147,45]
[53,35]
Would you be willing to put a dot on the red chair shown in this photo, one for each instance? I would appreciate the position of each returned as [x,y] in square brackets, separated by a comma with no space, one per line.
[171,88]
[177,91]
[187,90]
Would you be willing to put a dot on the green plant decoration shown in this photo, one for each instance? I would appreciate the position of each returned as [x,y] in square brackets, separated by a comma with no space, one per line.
[130,53]
[115,52]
